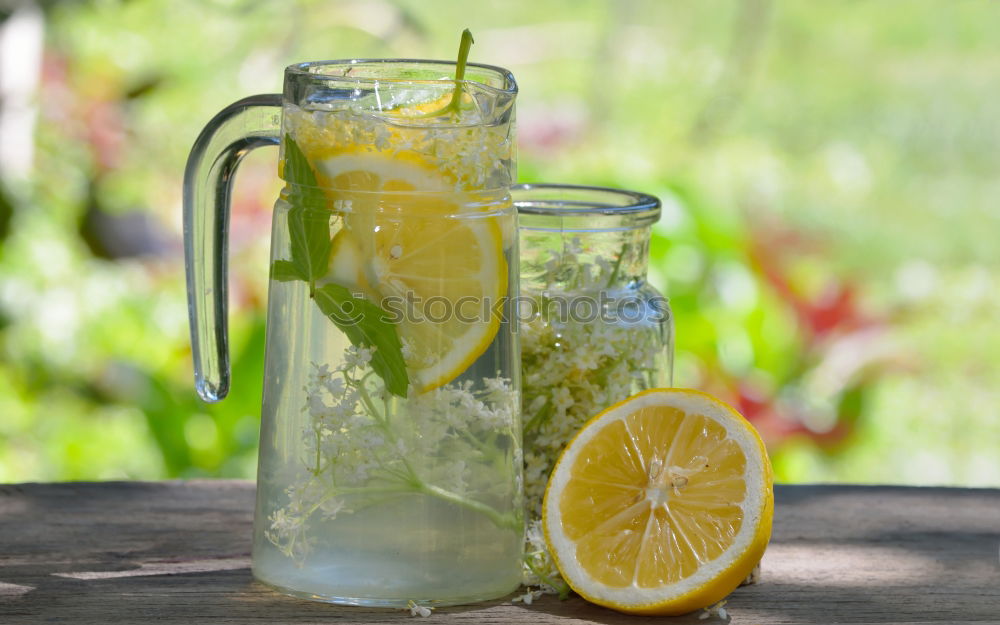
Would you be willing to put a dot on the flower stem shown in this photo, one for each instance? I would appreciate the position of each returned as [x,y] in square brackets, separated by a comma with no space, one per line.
[562,587]
[541,417]
[618,265]
[503,521]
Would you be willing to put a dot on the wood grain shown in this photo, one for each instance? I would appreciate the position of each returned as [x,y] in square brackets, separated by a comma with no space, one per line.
[178,553]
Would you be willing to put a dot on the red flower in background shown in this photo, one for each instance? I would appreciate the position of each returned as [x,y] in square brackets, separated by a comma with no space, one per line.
[844,347]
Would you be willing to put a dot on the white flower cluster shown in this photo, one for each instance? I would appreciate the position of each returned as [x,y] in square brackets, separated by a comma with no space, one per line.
[572,371]
[715,611]
[362,445]
[418,610]
[574,268]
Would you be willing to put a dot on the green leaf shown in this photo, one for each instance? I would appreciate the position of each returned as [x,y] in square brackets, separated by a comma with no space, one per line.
[366,324]
[285,271]
[308,217]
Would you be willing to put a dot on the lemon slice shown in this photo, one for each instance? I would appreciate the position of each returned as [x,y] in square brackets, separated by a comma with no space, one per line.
[347,266]
[661,504]
[356,169]
[414,246]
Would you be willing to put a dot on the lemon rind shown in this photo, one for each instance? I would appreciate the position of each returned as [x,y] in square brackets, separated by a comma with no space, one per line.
[488,335]
[714,580]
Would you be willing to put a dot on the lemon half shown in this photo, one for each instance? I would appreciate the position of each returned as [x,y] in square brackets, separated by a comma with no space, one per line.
[662,504]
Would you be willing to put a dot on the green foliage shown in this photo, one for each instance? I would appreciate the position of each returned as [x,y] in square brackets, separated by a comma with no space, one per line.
[828,174]
[363,322]
[308,218]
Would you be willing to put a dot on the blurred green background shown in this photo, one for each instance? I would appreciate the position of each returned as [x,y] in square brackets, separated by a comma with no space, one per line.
[829,237]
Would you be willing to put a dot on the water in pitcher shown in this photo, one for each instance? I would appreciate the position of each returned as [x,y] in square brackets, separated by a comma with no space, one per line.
[390,465]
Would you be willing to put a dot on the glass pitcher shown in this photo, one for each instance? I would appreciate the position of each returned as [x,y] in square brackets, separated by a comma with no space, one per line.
[390,450]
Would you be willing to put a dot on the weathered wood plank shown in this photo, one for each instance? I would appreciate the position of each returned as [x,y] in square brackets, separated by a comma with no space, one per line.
[178,552]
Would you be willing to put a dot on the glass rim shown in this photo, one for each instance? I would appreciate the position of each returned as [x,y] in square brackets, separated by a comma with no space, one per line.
[303,69]
[639,206]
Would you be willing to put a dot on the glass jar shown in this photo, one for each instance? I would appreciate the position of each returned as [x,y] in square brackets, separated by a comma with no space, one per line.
[593,331]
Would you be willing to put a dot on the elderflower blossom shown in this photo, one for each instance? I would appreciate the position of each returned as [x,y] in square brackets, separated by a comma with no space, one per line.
[528,598]
[418,610]
[572,371]
[714,611]
[474,155]
[540,568]
[355,357]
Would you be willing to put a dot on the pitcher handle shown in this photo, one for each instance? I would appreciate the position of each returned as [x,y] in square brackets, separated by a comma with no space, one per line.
[208,179]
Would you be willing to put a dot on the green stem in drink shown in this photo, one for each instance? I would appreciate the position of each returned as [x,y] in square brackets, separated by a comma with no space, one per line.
[455,104]
[463,59]
[618,265]
[505,521]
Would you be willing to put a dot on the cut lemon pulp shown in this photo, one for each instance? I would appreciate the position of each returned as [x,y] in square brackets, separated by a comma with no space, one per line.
[421,250]
[661,504]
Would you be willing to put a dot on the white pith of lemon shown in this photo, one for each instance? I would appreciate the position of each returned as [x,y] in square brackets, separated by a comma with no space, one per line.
[407,234]
[662,504]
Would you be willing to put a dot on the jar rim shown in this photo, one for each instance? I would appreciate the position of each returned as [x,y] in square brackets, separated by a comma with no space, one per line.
[317,70]
[571,200]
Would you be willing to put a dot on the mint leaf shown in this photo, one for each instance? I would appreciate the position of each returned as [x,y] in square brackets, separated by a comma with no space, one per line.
[285,271]
[308,217]
[366,324]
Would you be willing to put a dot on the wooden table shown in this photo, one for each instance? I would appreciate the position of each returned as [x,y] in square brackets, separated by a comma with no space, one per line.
[178,552]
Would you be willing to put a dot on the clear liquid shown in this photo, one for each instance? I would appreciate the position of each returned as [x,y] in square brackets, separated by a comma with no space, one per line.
[414,548]
[422,502]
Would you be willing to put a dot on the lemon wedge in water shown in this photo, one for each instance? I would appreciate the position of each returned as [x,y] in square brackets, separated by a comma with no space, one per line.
[411,243]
